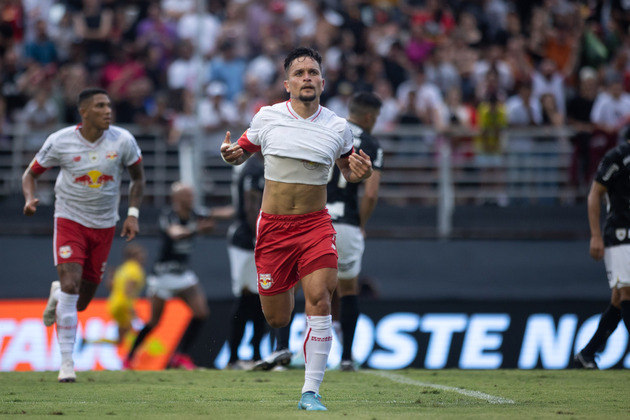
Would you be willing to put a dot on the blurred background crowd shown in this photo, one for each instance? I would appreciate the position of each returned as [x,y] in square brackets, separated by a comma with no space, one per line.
[476,66]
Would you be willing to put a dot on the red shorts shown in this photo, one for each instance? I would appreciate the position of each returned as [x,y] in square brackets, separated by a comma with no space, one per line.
[290,247]
[75,243]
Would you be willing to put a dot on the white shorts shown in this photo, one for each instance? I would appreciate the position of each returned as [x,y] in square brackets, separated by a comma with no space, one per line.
[242,270]
[617,261]
[166,286]
[350,246]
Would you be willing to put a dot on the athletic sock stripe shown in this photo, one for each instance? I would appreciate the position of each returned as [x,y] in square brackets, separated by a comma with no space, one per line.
[308,335]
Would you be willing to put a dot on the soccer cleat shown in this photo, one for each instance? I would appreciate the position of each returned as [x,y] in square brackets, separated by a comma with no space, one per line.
[240,365]
[311,402]
[182,361]
[51,306]
[583,361]
[347,366]
[66,372]
[278,357]
[126,365]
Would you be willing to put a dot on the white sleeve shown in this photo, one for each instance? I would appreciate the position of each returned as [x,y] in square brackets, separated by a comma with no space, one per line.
[132,151]
[48,155]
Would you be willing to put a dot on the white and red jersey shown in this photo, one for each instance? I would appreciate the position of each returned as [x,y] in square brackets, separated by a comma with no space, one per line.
[296,149]
[87,189]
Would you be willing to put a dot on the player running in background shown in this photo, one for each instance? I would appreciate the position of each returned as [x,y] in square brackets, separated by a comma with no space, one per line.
[126,284]
[91,157]
[612,182]
[172,276]
[300,140]
[349,216]
[247,189]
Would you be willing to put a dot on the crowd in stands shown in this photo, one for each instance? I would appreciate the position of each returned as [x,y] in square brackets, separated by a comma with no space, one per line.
[475,64]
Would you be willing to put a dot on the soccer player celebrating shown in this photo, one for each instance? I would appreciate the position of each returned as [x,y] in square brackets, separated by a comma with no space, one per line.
[613,182]
[91,157]
[300,140]
[349,217]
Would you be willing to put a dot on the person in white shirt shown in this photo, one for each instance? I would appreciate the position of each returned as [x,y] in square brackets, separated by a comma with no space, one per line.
[611,110]
[92,157]
[300,141]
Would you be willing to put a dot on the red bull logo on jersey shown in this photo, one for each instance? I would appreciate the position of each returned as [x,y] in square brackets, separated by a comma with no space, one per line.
[111,155]
[264,280]
[94,179]
[65,251]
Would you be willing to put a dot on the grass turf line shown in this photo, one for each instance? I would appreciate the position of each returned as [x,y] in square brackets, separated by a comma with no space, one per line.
[274,395]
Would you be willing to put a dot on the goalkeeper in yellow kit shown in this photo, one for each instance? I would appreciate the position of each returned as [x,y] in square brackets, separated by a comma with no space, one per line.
[126,285]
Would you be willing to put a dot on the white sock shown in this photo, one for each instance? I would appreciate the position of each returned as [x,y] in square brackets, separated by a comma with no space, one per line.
[67,319]
[317,344]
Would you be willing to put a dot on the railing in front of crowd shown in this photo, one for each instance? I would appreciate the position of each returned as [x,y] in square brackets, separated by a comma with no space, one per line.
[421,167]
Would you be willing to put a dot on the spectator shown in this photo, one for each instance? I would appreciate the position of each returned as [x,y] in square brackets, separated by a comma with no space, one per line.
[548,80]
[42,49]
[389,110]
[186,71]
[428,103]
[551,115]
[611,110]
[93,26]
[579,118]
[228,68]
[216,114]
[156,31]
[205,37]
[63,36]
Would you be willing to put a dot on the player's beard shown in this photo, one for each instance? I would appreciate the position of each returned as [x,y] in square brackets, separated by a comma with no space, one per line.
[307,98]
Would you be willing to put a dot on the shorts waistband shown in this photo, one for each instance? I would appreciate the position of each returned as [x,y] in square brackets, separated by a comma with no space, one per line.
[295,217]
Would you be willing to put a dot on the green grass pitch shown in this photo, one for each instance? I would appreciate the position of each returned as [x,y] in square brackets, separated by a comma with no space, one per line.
[366,394]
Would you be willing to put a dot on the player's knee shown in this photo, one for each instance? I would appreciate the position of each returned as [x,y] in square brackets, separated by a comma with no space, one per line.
[278,320]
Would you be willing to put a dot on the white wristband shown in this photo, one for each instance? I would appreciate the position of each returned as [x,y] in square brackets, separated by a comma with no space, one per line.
[134,212]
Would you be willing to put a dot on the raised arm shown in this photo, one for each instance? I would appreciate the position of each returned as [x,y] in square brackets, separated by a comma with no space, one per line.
[233,153]
[136,190]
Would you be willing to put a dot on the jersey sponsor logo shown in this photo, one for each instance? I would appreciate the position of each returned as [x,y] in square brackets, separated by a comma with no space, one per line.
[613,168]
[93,156]
[311,166]
[111,155]
[76,158]
[65,251]
[94,179]
[620,234]
[265,282]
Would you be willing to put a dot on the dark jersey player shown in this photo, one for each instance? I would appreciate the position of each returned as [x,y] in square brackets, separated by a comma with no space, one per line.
[612,182]
[349,215]
[172,276]
[247,189]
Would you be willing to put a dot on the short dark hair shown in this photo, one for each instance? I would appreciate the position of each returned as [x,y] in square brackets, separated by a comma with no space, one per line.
[88,93]
[364,102]
[302,52]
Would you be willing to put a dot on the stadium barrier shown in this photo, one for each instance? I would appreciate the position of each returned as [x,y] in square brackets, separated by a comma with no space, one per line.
[390,335]
[422,168]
